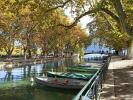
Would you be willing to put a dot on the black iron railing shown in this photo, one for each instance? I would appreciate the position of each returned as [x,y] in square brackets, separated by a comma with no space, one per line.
[92,90]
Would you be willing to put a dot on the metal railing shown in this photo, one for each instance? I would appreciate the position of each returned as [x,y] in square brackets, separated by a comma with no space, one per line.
[92,90]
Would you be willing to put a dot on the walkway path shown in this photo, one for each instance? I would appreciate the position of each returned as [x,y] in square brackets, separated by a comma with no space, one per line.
[119,80]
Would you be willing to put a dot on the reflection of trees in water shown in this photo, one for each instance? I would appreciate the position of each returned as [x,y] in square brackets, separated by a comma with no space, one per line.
[8,75]
[49,66]
[48,93]
[29,71]
[68,62]
[43,71]
[24,72]
[56,65]
[60,66]
[19,93]
[33,70]
[36,70]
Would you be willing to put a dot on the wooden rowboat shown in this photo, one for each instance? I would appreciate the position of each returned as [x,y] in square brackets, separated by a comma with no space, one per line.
[63,83]
[81,76]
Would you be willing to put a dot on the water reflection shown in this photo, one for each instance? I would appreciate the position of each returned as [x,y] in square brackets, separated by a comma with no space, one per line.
[16,83]
[8,75]
[28,71]
[36,93]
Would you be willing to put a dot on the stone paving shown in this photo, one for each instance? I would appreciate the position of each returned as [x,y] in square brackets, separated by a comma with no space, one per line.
[118,84]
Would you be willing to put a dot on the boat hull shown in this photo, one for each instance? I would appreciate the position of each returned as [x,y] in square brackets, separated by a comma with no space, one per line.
[60,83]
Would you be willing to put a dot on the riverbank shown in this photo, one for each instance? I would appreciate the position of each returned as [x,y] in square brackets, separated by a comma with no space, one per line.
[118,83]
[16,62]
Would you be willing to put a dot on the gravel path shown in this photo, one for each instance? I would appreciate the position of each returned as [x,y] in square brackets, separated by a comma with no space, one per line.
[119,80]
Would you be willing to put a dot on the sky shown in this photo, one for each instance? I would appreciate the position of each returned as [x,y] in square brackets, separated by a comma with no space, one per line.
[83,21]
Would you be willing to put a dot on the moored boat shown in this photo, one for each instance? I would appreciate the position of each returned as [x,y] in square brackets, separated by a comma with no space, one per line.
[63,83]
[83,69]
[92,65]
[81,76]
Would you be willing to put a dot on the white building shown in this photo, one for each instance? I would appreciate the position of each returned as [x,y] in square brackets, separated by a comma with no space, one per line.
[96,48]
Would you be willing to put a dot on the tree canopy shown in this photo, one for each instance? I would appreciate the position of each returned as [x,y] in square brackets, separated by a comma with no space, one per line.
[35,24]
[32,22]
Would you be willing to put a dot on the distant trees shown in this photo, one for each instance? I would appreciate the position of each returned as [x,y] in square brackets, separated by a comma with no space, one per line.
[36,25]
[108,34]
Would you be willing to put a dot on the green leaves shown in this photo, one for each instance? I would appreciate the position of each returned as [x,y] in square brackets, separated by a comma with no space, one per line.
[109,33]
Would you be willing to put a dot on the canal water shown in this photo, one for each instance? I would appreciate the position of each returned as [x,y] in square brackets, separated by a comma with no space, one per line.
[17,84]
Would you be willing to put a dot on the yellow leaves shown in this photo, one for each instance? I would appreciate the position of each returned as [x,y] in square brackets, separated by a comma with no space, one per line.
[40,28]
[12,1]
[81,2]
[9,15]
[25,10]
[31,2]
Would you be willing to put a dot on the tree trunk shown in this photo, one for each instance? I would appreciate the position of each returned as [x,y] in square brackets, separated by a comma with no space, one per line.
[9,52]
[43,52]
[25,55]
[121,14]
[116,52]
[29,54]
[130,50]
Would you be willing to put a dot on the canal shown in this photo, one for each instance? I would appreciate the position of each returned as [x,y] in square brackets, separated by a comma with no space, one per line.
[17,84]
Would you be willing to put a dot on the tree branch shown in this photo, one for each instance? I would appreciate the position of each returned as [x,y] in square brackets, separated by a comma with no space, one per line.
[59,6]
[104,16]
[90,12]
[115,17]
[121,14]
[78,18]
[121,18]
